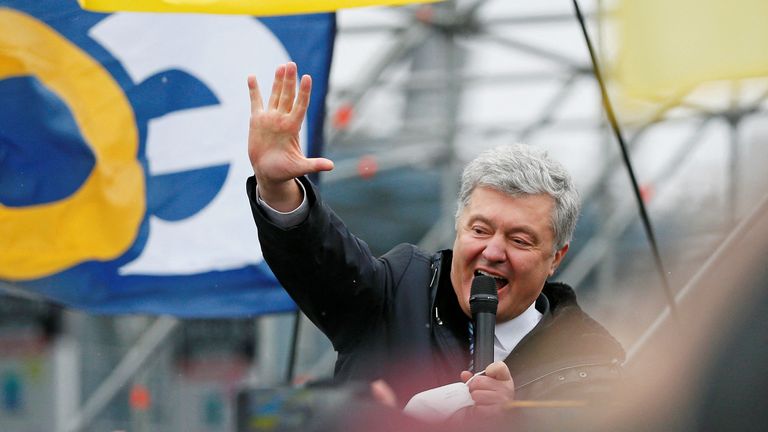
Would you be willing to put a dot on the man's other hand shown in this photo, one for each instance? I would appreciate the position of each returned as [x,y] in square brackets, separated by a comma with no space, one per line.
[492,390]
[383,393]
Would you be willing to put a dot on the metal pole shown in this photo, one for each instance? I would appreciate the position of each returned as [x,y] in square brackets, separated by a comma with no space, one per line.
[734,119]
[67,372]
[735,238]
[548,113]
[597,247]
[148,344]
[293,353]
[414,35]
[630,170]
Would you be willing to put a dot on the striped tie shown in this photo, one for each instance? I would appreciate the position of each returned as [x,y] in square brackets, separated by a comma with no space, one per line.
[471,346]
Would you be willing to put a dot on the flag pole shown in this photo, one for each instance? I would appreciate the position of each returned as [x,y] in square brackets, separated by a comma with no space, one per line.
[630,170]
[293,352]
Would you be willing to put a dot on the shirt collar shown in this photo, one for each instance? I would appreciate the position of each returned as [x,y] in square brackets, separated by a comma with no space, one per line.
[508,334]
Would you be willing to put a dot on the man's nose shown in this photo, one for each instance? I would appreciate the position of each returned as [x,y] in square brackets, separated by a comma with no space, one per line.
[494,250]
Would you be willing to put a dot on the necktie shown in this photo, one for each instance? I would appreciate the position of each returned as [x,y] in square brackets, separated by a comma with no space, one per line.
[471,347]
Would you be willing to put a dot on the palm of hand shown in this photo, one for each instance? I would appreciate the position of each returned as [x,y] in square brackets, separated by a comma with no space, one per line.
[273,138]
[274,148]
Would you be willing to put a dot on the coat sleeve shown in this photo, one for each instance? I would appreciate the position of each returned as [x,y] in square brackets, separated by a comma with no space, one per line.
[329,273]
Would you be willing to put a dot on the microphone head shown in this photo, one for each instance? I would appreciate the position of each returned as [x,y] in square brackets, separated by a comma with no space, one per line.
[483,296]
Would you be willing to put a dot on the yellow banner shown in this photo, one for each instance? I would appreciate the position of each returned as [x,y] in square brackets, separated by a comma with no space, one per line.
[237,7]
[670,46]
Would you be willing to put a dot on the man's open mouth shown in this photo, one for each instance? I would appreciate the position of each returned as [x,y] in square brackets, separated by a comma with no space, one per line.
[500,281]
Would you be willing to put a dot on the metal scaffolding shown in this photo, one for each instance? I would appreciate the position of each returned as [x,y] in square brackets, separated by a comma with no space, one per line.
[410,96]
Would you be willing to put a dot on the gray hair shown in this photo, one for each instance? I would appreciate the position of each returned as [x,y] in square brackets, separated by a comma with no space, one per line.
[524,170]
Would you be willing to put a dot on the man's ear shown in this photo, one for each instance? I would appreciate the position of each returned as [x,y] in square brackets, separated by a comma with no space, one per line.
[558,258]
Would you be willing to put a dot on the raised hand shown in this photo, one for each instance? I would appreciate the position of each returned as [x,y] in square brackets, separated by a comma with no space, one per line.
[273,138]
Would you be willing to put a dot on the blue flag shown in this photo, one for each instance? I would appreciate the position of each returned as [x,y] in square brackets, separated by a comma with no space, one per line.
[123,154]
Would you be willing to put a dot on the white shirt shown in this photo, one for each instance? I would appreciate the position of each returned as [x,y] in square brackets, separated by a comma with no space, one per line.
[509,334]
[286,219]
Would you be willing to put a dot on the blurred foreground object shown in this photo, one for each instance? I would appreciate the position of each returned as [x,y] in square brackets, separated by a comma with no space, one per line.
[710,375]
[318,408]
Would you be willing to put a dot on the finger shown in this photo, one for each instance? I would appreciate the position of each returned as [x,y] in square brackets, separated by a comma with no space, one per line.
[277,87]
[383,393]
[465,376]
[257,104]
[288,92]
[487,411]
[302,100]
[498,370]
[487,397]
[318,164]
[482,382]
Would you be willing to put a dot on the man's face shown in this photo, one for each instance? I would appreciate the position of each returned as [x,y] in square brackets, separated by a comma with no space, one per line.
[509,238]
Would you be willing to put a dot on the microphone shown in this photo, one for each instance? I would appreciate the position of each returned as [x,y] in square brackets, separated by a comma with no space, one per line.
[483,300]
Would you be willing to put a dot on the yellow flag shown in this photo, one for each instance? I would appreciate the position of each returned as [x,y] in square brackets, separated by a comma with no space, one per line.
[237,7]
[668,46]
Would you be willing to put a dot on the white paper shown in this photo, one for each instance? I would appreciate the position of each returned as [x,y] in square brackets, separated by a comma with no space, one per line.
[439,403]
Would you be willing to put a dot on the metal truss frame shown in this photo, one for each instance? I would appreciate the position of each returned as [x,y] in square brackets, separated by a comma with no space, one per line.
[411,146]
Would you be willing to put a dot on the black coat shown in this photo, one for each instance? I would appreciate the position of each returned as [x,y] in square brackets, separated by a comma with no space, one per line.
[397,317]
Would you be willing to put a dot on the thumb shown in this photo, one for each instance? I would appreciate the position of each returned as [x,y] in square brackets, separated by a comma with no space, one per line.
[498,371]
[319,164]
[465,376]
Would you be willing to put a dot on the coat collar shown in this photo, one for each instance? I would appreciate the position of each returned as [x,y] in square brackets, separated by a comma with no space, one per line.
[450,326]
[565,334]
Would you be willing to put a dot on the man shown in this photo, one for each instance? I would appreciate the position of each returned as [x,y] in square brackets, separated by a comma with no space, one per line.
[404,317]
